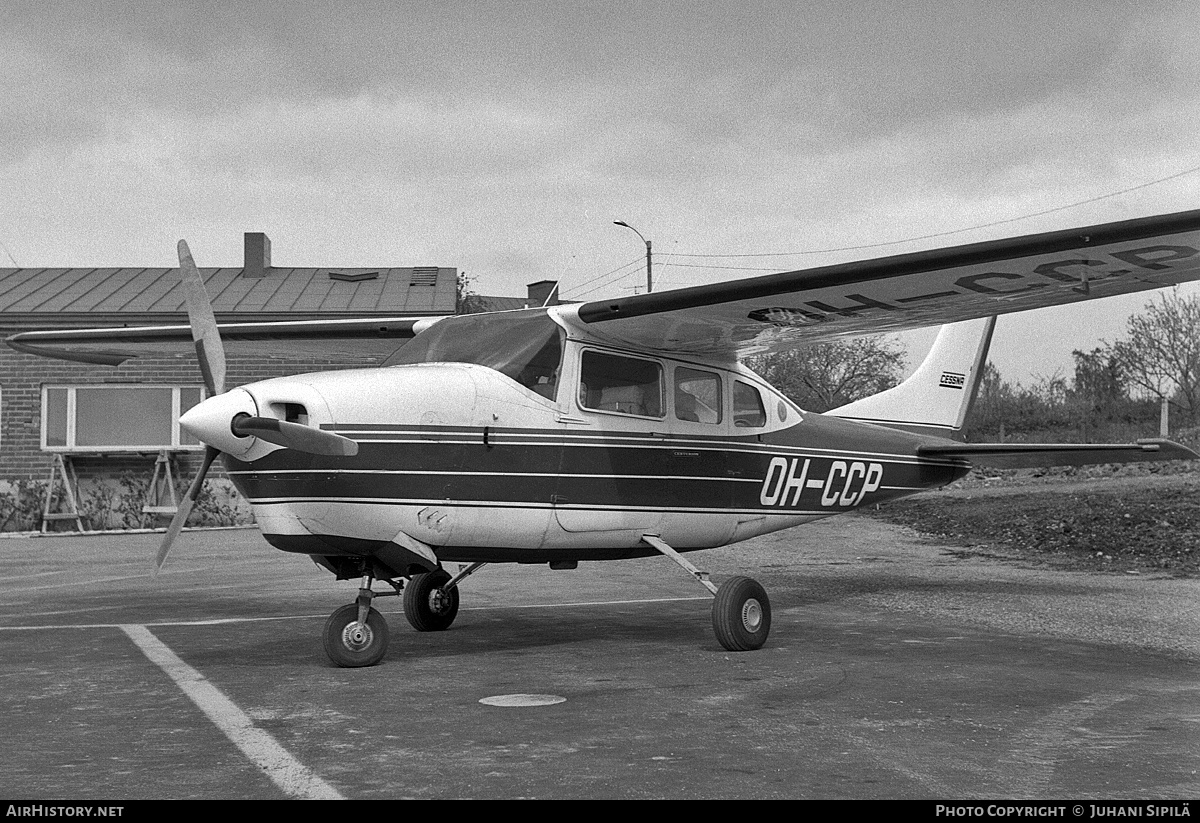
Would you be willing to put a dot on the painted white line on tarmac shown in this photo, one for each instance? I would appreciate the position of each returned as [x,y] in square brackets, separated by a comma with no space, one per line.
[587,603]
[30,576]
[77,584]
[289,774]
[221,621]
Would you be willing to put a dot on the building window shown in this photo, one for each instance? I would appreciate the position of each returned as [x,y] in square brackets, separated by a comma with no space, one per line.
[116,417]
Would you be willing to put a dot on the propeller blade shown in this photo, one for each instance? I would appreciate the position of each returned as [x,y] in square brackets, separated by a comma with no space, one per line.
[204,323]
[294,436]
[185,507]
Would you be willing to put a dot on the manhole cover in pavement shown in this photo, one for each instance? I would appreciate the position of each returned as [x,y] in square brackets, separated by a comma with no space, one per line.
[523,700]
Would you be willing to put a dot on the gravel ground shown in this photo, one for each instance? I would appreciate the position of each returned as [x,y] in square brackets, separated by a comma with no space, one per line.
[1133,519]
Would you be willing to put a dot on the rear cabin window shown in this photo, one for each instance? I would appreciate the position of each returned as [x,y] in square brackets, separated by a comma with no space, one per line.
[697,396]
[748,410]
[625,385]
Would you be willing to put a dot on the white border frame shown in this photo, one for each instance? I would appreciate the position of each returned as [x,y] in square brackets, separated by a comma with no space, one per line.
[70,448]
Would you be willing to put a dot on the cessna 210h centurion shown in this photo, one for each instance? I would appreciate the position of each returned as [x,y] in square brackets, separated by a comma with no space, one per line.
[619,428]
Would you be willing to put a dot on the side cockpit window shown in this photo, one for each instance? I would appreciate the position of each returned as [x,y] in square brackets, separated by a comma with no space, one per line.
[539,374]
[624,385]
[748,411]
[697,396]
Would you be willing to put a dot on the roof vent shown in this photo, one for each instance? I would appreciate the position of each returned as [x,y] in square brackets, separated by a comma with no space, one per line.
[424,276]
[347,277]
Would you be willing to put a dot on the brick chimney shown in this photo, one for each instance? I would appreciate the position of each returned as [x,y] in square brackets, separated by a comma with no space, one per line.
[258,254]
[539,291]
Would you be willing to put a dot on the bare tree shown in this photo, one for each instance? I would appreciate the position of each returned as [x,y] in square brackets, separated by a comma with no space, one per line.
[1162,354]
[1100,380]
[824,376]
[466,301]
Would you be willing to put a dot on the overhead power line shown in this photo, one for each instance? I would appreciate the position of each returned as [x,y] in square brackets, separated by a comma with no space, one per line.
[10,257]
[608,277]
[615,274]
[1183,173]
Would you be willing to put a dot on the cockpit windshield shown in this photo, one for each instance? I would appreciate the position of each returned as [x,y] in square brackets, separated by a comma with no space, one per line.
[526,347]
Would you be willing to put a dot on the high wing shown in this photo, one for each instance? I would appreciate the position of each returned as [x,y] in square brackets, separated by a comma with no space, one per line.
[890,294]
[775,312]
[373,337]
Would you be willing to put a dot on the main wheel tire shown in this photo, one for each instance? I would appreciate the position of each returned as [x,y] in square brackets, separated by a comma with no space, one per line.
[741,615]
[428,605]
[350,646]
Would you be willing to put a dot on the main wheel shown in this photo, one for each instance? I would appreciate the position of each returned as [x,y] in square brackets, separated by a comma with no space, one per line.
[429,606]
[741,615]
[350,645]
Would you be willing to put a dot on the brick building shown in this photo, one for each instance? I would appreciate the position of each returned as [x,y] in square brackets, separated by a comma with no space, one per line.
[101,422]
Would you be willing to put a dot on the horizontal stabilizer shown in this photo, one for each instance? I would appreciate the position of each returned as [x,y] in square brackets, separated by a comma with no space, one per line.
[1039,455]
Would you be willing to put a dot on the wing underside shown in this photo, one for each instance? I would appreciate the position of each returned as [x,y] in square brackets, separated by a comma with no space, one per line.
[781,311]
[369,338]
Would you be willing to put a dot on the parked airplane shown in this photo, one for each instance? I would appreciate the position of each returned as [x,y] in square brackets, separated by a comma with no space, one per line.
[620,428]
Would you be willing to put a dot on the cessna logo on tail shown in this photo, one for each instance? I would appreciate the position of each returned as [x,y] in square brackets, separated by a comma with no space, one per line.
[845,484]
[952,380]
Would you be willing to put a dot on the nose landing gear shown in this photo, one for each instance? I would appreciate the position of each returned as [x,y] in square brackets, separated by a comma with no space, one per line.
[356,634]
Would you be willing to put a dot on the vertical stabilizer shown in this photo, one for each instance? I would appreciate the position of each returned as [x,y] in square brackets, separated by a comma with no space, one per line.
[938,395]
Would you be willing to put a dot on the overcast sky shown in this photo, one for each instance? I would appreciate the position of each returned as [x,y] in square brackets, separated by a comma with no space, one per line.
[504,138]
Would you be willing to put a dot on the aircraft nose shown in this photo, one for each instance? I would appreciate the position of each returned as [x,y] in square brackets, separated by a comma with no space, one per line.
[210,421]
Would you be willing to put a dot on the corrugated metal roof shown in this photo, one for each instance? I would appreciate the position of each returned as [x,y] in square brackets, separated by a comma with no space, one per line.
[138,291]
[481,303]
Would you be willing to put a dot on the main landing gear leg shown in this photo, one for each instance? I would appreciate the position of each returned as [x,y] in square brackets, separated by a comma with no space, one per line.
[741,613]
[356,634]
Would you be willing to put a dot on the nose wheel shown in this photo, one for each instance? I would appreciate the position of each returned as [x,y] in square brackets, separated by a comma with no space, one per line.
[356,635]
[353,644]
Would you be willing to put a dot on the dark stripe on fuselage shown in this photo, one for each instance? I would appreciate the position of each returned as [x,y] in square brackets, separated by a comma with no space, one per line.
[772,473]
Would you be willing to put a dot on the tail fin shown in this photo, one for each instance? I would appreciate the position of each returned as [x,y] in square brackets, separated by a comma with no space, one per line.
[938,395]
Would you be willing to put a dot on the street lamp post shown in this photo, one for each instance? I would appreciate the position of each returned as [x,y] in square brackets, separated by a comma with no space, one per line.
[649,256]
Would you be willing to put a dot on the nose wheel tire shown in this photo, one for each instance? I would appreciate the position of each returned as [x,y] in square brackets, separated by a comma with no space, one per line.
[428,605]
[350,645]
[741,615]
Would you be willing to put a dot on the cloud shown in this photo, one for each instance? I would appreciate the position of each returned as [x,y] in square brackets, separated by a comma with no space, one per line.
[505,137]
